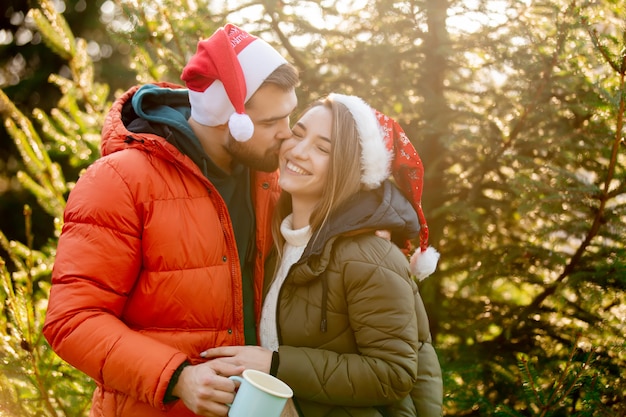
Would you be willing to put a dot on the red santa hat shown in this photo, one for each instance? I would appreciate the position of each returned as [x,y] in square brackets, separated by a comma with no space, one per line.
[386,150]
[224,73]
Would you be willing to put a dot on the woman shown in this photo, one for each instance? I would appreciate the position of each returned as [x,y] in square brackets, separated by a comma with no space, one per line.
[343,322]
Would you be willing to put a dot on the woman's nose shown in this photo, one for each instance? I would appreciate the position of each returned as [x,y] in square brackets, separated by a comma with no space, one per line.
[301,148]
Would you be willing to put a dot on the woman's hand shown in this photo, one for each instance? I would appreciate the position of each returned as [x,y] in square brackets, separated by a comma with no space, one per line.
[250,357]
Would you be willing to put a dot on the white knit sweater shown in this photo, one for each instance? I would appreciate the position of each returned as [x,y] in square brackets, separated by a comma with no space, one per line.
[295,242]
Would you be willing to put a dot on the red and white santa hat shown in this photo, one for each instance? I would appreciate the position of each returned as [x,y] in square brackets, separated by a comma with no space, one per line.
[224,73]
[386,150]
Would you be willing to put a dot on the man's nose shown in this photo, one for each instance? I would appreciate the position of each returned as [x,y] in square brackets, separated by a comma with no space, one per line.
[284,131]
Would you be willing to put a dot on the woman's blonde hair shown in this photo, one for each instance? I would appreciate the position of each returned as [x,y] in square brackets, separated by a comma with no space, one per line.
[344,171]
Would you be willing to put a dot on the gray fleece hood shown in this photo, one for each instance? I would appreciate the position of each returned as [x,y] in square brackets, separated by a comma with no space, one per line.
[384,208]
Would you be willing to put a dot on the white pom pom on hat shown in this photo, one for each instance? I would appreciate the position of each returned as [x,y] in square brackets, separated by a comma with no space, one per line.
[424,263]
[240,126]
[386,150]
[224,73]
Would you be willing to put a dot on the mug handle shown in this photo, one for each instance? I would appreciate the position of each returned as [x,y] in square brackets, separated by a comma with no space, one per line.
[236,378]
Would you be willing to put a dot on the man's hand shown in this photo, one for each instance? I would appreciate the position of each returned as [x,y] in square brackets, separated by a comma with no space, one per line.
[250,357]
[206,389]
[385,234]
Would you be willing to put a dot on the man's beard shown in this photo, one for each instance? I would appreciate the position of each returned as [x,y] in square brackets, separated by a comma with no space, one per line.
[244,153]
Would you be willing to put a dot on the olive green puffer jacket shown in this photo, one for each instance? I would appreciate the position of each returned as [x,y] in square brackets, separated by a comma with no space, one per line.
[353,332]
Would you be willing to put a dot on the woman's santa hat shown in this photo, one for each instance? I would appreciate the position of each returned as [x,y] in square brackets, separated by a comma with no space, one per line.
[386,150]
[224,73]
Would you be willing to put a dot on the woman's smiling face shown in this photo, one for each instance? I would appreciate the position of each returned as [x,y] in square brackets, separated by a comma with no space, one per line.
[304,158]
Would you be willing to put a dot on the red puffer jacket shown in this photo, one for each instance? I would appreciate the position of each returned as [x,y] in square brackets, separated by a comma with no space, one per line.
[147,273]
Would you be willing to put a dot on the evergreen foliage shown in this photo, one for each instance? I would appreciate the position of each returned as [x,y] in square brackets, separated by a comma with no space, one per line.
[34,381]
[539,192]
[519,118]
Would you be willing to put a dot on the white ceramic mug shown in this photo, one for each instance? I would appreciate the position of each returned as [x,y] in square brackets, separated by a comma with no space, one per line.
[259,394]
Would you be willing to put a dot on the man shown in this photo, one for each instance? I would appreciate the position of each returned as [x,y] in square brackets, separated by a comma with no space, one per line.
[162,250]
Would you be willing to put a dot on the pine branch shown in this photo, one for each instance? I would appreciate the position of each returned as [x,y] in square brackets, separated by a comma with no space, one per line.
[603,198]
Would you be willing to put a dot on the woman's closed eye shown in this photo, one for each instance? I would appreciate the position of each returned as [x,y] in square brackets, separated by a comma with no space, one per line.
[324,148]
